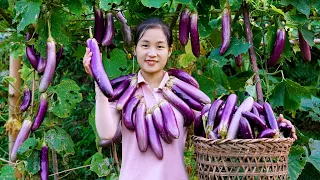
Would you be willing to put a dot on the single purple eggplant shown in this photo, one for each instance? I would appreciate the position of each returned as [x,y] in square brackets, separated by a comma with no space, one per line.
[127,94]
[278,47]
[267,133]
[41,65]
[126,30]
[118,91]
[238,60]
[97,68]
[31,53]
[170,121]
[245,129]
[270,118]
[198,124]
[226,115]
[26,100]
[159,124]
[285,129]
[50,65]
[43,107]
[141,127]
[194,34]
[304,48]
[22,136]
[109,30]
[184,26]
[128,112]
[255,120]
[255,111]
[117,81]
[212,113]
[259,107]
[192,91]
[179,104]
[98,24]
[192,103]
[153,136]
[183,76]
[226,30]
[59,55]
[44,163]
[246,105]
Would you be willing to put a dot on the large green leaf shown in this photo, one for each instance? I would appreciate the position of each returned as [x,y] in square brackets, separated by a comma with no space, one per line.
[32,164]
[59,140]
[107,4]
[308,35]
[314,158]
[26,149]
[153,3]
[185,60]
[297,161]
[117,61]
[309,104]
[217,59]
[302,5]
[288,94]
[184,1]
[237,46]
[29,12]
[99,165]
[7,173]
[68,96]
[75,6]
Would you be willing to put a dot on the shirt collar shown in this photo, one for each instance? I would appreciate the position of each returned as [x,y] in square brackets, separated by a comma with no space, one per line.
[162,83]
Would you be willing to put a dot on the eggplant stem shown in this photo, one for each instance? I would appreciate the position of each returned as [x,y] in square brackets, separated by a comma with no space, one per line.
[90,32]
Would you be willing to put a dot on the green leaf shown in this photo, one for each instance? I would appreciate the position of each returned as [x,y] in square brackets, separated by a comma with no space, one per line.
[237,47]
[58,20]
[308,35]
[288,94]
[302,5]
[27,147]
[239,80]
[29,11]
[271,37]
[7,173]
[309,104]
[117,61]
[32,164]
[75,6]
[105,5]
[68,96]
[99,165]
[275,9]
[314,158]
[297,161]
[217,59]
[59,140]
[153,3]
[185,60]
[184,1]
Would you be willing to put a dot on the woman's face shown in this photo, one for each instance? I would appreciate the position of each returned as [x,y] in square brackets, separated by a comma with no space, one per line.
[152,51]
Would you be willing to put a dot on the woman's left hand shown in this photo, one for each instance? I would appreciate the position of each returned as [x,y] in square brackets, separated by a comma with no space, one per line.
[293,130]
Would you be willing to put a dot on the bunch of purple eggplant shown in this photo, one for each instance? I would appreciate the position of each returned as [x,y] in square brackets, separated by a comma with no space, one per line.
[189,24]
[104,28]
[181,92]
[250,120]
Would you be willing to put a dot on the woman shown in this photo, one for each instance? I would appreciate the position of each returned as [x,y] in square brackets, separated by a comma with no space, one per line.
[152,48]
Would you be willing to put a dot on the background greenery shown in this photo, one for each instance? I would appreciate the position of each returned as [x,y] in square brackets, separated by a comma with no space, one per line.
[292,86]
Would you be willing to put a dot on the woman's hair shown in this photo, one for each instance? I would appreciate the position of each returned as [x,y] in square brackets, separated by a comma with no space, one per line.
[152,23]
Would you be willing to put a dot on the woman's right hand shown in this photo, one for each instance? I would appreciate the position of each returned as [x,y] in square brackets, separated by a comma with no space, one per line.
[87,61]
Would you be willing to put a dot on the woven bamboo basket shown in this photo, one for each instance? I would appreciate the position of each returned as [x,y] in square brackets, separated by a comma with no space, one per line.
[242,158]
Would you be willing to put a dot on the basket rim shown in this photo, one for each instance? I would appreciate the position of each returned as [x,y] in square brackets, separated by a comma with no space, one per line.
[241,141]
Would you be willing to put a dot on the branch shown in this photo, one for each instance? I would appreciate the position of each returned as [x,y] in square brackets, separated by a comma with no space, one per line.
[253,56]
[54,174]
[116,161]
[55,165]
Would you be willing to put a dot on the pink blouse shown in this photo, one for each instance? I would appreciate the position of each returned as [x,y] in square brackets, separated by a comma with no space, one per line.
[138,165]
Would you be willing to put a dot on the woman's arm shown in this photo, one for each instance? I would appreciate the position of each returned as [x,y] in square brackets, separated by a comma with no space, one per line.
[106,116]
